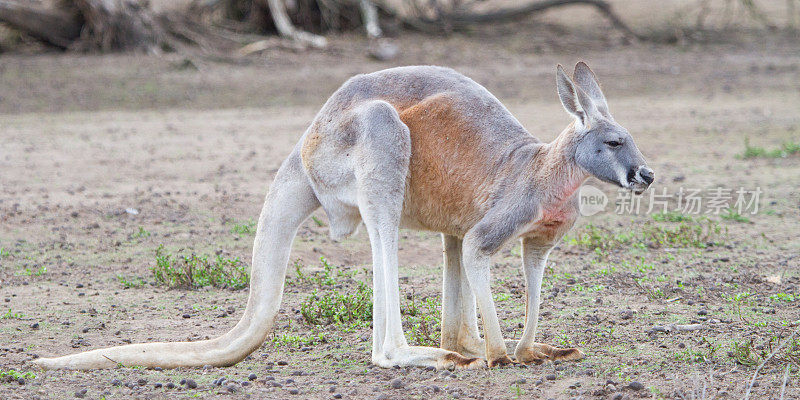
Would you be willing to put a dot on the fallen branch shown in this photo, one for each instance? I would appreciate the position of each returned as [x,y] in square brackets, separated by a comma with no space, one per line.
[56,27]
[464,19]
[285,28]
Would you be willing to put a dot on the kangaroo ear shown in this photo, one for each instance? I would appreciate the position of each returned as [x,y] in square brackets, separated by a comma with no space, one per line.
[587,81]
[574,100]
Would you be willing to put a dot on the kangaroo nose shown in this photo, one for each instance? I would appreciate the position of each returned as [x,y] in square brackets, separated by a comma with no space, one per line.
[647,175]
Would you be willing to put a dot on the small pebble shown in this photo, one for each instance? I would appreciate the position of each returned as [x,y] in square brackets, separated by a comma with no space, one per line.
[282,362]
[520,381]
[550,377]
[141,382]
[116,382]
[187,316]
[191,384]
[635,385]
[80,393]
[617,396]
[252,377]
[170,385]
[21,381]
[231,388]
[293,391]
[183,381]
[397,383]
[337,396]
[157,385]
[245,383]
[35,325]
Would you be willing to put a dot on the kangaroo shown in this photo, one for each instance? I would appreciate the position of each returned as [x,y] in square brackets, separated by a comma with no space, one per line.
[426,148]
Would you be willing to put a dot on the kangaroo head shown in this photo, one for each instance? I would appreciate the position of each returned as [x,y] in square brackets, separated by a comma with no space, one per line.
[603,148]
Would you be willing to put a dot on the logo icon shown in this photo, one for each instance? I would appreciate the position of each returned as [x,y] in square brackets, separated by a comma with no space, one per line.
[592,200]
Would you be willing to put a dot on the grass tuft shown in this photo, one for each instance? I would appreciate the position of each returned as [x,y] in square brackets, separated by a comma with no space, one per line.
[422,321]
[336,307]
[786,149]
[194,271]
[244,228]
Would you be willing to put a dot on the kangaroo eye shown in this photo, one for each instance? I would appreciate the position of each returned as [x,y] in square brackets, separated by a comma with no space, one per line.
[613,143]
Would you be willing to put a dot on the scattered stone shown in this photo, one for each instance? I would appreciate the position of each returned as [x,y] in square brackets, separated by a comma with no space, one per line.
[116,382]
[702,312]
[132,211]
[170,385]
[245,383]
[191,384]
[157,385]
[21,381]
[397,383]
[288,381]
[80,393]
[187,316]
[296,373]
[282,362]
[626,314]
[635,385]
[231,388]
[294,391]
[550,377]
[435,389]
[252,377]
[521,381]
[337,396]
[207,367]
[183,381]
[383,396]
[617,396]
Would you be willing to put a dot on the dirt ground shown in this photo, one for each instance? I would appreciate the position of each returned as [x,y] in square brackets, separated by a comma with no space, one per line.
[193,150]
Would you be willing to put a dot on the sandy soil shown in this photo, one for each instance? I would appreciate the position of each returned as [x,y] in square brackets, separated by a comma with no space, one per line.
[86,137]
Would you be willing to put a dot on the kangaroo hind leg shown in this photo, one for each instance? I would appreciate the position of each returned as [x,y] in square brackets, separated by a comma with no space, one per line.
[383,156]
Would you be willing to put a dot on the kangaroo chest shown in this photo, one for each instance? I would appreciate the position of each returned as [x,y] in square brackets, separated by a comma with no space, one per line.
[556,220]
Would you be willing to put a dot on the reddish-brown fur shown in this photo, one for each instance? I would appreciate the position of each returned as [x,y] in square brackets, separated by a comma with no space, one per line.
[446,185]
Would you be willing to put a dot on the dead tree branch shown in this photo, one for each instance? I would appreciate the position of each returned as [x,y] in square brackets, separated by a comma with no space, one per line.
[56,27]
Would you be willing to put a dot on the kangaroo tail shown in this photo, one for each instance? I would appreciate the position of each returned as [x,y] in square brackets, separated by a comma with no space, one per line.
[289,202]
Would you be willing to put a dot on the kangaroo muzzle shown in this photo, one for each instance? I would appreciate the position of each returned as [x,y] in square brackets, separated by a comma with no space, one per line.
[640,178]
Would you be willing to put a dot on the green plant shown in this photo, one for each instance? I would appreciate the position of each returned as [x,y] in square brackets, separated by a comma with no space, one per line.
[697,234]
[14,375]
[194,271]
[325,277]
[788,148]
[140,234]
[742,353]
[334,307]
[244,228]
[422,321]
[732,215]
[787,297]
[671,216]
[31,272]
[298,341]
[599,239]
[317,221]
[4,253]
[133,282]
[12,315]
